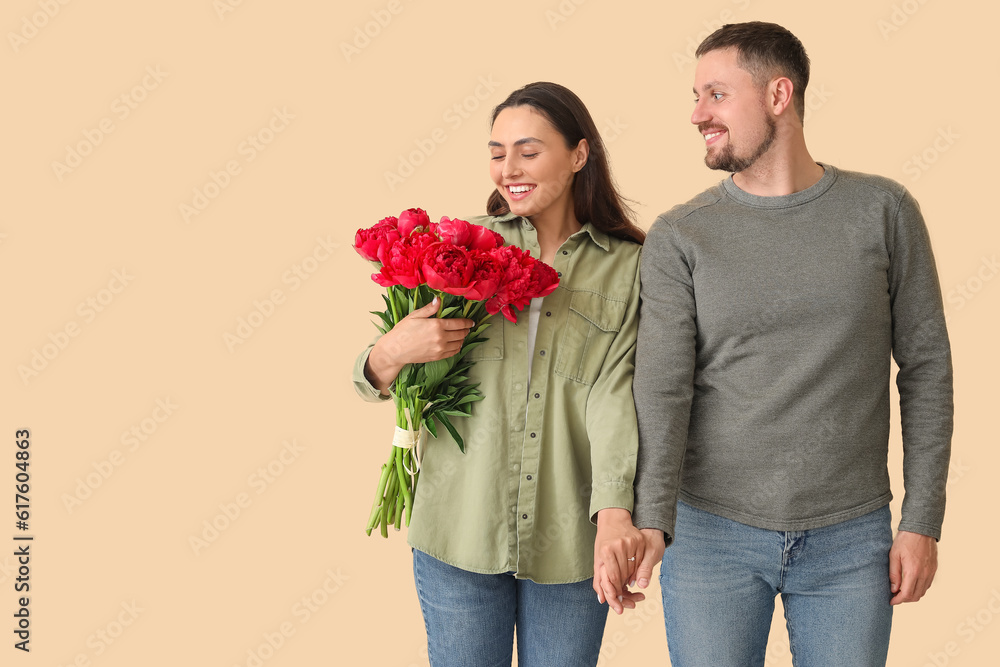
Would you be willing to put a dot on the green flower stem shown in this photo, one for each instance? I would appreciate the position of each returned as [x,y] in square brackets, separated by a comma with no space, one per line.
[392,304]
[408,464]
[399,510]
[407,497]
[390,498]
[377,506]
[441,303]
[386,505]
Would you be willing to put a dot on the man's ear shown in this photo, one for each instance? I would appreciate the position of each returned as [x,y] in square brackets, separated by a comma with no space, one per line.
[779,95]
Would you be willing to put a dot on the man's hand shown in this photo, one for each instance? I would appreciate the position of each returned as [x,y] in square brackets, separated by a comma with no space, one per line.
[912,564]
[653,554]
[617,551]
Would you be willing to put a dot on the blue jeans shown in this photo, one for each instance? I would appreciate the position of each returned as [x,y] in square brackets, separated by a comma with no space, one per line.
[719,579]
[470,618]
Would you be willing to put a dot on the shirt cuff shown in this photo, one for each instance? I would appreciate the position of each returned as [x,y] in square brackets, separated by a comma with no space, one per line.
[362,386]
[610,494]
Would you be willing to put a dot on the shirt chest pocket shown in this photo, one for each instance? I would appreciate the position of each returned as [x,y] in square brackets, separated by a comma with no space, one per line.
[591,326]
[492,347]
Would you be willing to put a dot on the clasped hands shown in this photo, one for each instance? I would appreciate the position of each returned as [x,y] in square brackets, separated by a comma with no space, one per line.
[624,556]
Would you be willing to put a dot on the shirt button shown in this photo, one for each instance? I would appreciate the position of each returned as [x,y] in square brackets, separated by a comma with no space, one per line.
[559,273]
[538,395]
[548,314]
[565,252]
[542,353]
[533,435]
[529,478]
[517,386]
[524,516]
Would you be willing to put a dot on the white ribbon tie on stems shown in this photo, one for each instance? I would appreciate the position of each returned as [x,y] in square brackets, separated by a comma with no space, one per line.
[404,438]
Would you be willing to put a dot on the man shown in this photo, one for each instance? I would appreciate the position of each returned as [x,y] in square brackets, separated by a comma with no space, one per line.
[771,305]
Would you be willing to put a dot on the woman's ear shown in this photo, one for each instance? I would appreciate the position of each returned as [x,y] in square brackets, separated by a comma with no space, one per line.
[580,155]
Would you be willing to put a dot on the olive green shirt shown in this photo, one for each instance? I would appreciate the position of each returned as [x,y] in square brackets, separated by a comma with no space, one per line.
[542,459]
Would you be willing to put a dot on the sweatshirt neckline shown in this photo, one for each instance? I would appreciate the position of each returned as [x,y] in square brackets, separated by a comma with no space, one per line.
[783,201]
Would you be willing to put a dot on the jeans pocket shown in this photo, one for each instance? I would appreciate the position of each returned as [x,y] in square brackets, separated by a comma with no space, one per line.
[593,322]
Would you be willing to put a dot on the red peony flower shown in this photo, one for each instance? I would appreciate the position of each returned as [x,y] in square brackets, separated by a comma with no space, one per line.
[401,262]
[454,231]
[543,281]
[525,278]
[371,243]
[487,273]
[413,219]
[483,238]
[513,283]
[447,268]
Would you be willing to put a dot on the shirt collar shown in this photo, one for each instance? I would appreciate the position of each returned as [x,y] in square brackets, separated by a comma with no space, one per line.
[596,235]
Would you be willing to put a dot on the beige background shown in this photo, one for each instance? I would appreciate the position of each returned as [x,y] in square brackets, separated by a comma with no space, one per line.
[113,554]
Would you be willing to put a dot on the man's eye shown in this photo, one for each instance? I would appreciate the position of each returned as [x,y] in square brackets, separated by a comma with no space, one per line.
[529,154]
[717,96]
[497,157]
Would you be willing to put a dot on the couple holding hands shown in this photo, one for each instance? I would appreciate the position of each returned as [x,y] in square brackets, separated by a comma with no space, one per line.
[721,407]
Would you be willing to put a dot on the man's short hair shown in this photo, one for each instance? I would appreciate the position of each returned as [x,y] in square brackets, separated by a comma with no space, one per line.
[766,51]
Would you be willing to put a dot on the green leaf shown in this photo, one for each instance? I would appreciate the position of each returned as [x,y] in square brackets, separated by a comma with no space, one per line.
[454,433]
[437,370]
[443,401]
[468,347]
[417,297]
[462,368]
[385,317]
[429,423]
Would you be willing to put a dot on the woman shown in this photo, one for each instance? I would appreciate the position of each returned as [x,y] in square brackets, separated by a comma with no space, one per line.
[504,535]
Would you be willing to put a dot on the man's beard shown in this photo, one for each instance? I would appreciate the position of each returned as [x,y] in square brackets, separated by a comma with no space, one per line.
[727,160]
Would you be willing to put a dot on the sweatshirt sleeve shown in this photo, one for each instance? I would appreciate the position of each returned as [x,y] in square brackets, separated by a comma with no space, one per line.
[922,352]
[664,377]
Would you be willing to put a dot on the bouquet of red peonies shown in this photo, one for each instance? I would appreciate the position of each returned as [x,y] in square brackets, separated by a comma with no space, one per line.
[475,276]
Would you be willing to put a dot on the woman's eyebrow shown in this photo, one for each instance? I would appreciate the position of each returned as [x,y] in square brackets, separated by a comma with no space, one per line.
[526,140]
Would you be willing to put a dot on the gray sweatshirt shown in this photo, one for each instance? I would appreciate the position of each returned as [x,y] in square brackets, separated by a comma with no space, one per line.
[762,367]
